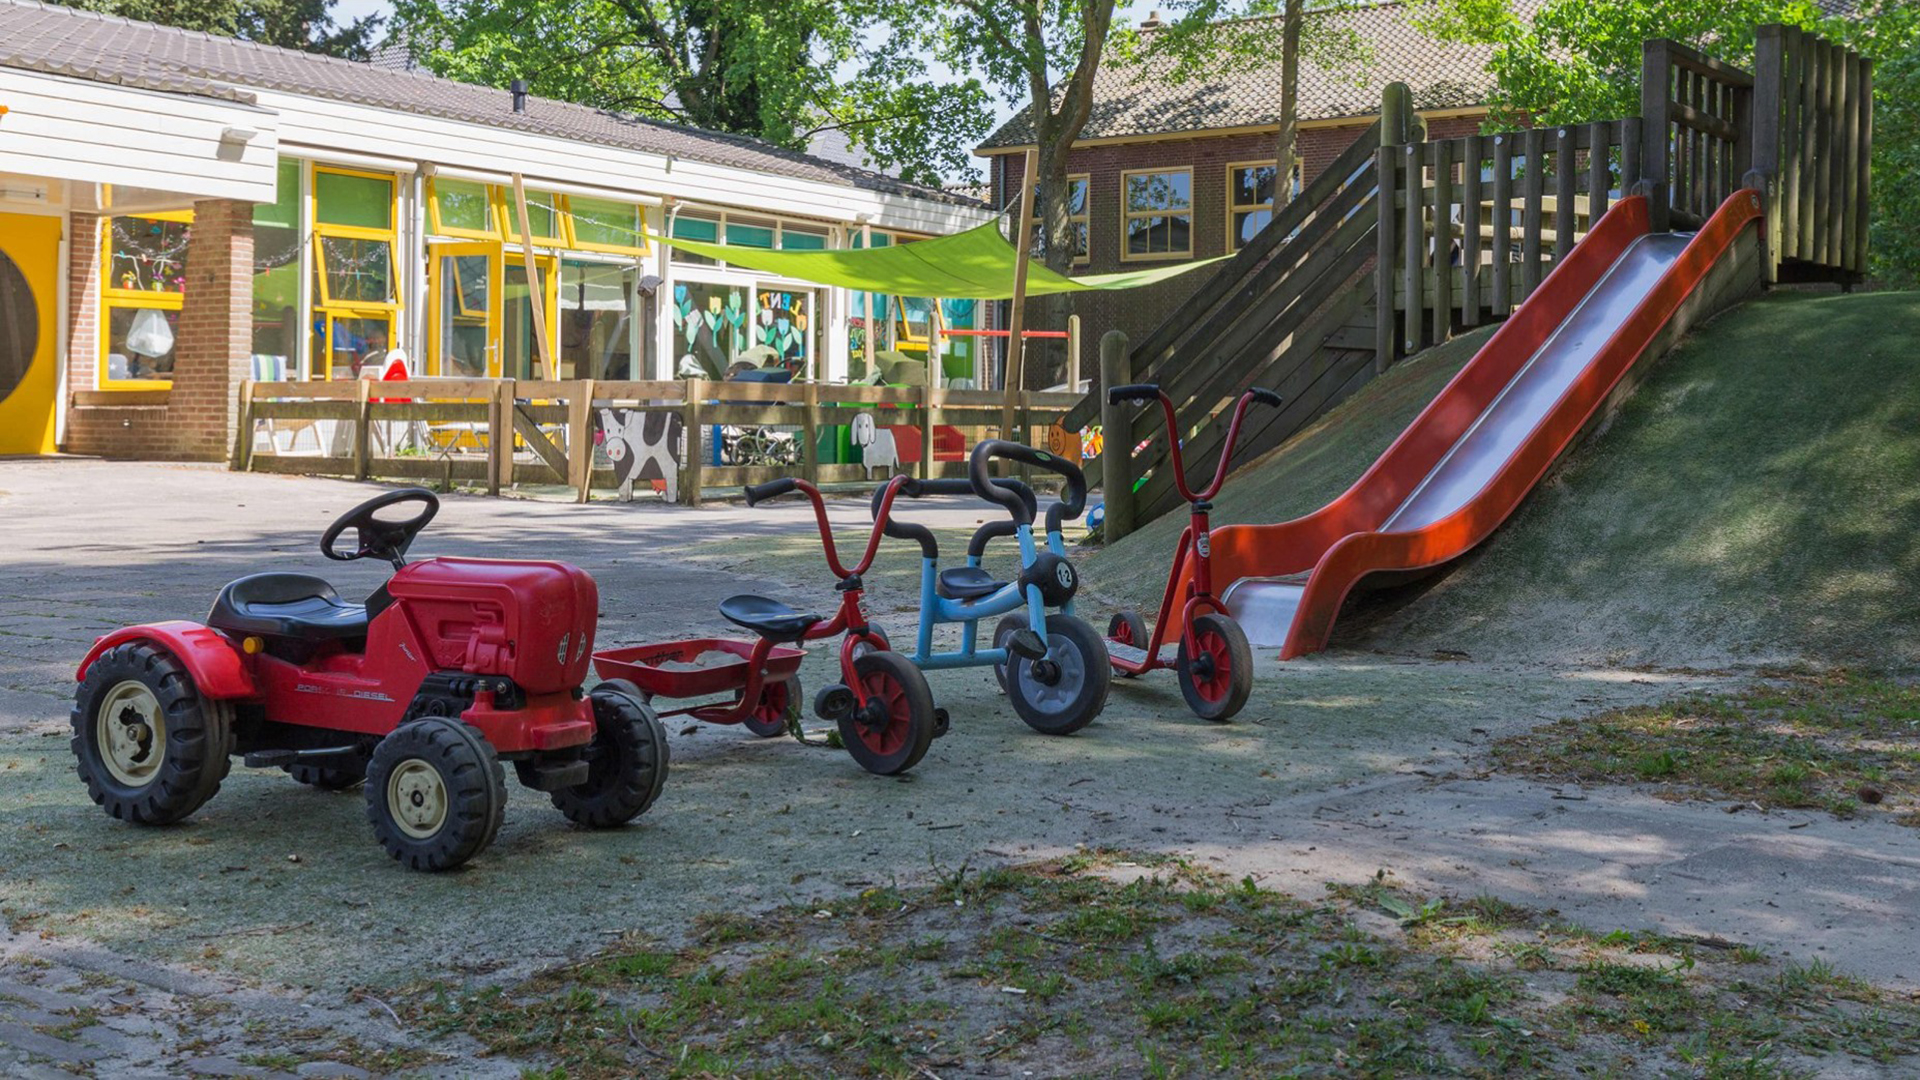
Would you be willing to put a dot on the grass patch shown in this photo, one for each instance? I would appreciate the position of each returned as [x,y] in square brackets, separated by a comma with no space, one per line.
[1843,743]
[1100,965]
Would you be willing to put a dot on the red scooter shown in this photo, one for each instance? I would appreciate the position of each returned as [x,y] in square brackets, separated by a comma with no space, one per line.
[883,707]
[450,667]
[1214,661]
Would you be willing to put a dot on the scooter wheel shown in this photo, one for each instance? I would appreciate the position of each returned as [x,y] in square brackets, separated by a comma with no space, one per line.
[1003,632]
[1063,691]
[890,733]
[1218,676]
[779,703]
[627,763]
[150,749]
[1128,628]
[435,793]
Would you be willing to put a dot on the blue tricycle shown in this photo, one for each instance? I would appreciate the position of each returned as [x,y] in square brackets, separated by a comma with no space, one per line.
[1052,664]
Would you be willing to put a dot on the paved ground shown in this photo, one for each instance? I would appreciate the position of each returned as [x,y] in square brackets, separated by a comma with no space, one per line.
[1341,766]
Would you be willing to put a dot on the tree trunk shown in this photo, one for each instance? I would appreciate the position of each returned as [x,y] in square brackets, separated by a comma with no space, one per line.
[1287,149]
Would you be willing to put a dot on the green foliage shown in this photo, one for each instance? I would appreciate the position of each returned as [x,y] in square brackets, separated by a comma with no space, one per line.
[780,72]
[1575,61]
[291,24]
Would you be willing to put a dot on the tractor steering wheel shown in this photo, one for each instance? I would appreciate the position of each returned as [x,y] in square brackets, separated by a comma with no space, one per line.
[381,539]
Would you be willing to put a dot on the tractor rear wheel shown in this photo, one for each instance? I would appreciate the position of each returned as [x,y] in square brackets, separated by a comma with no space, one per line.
[150,748]
[626,765]
[435,793]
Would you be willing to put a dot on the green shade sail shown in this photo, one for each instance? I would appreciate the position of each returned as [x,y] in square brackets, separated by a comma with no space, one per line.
[975,265]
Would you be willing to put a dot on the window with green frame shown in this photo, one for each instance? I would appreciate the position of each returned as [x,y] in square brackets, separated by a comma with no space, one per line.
[276,274]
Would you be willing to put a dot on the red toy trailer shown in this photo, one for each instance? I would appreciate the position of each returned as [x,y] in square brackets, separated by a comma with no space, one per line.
[1214,661]
[449,668]
[883,707]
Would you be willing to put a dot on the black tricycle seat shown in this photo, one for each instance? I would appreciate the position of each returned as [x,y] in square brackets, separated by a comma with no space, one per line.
[966,583]
[771,619]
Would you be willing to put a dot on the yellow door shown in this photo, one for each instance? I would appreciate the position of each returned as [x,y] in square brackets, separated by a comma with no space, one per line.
[29,383]
[463,294]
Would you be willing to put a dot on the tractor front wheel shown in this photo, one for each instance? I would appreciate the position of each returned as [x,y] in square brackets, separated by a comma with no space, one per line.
[435,793]
[150,748]
[626,762]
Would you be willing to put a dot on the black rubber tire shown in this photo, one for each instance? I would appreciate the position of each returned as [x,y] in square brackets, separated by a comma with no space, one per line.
[1004,629]
[1220,699]
[779,703]
[470,773]
[1128,628]
[629,765]
[907,737]
[339,777]
[627,686]
[1074,645]
[194,750]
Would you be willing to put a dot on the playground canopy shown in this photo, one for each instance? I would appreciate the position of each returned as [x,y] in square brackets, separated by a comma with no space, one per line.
[977,264]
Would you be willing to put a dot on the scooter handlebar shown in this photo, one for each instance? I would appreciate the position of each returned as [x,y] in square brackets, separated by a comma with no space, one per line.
[1264,396]
[772,489]
[1140,392]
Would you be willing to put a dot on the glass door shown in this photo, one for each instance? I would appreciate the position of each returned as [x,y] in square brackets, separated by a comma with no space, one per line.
[522,354]
[464,296]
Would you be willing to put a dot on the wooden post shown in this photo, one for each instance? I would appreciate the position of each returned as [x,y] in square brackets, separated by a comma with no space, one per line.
[1116,434]
[1393,135]
[1470,232]
[1764,143]
[1655,130]
[534,284]
[927,392]
[1502,224]
[1840,217]
[696,442]
[810,431]
[498,448]
[362,428]
[1413,244]
[580,440]
[1599,171]
[1073,354]
[1016,322]
[242,458]
[1442,240]
[1863,176]
[873,315]
[1566,176]
[1532,223]
[1823,154]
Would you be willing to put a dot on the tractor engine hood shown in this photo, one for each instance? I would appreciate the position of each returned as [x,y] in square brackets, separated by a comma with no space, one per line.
[530,621]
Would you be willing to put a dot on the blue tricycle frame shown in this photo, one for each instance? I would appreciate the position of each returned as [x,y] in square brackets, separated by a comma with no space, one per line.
[1053,666]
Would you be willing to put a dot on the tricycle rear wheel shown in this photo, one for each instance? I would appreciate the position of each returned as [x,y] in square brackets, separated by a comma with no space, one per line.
[890,733]
[150,748]
[779,705]
[626,765]
[435,793]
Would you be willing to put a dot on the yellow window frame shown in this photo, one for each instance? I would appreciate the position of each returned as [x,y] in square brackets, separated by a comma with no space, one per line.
[1236,208]
[391,235]
[437,284]
[135,302]
[576,244]
[509,217]
[440,228]
[1128,215]
[1084,217]
[107,287]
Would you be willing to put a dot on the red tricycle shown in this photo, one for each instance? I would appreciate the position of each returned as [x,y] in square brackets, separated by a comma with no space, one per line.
[450,667]
[882,705]
[1214,661]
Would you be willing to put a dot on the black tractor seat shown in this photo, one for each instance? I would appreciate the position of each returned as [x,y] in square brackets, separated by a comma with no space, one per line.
[771,619]
[286,606]
[966,583]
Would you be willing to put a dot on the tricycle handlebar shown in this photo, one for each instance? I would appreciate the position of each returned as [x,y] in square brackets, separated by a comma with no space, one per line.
[883,508]
[984,486]
[772,489]
[915,488]
[1142,392]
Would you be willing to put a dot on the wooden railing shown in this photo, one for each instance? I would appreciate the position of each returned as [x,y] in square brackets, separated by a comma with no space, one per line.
[500,432]
[1697,132]
[1812,148]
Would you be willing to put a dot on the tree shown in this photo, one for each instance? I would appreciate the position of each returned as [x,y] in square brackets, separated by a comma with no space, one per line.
[292,24]
[782,72]
[1575,60]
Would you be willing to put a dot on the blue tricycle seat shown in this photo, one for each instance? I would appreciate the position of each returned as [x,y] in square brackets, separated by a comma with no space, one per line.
[967,583]
[771,619]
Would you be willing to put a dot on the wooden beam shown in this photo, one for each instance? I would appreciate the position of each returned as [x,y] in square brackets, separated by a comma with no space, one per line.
[1655,162]
[1470,231]
[535,286]
[1016,321]
[1503,223]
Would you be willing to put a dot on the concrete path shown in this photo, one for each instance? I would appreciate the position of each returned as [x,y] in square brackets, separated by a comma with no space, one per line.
[1341,765]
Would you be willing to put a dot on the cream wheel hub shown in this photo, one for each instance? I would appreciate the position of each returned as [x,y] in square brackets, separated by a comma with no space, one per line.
[131,732]
[417,798]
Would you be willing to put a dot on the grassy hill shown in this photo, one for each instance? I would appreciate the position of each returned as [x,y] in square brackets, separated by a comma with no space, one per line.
[1757,501]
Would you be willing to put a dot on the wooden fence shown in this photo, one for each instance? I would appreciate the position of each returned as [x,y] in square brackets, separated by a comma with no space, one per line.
[1813,148]
[445,430]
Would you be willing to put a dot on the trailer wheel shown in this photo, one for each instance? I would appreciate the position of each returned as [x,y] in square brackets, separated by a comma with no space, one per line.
[1128,628]
[779,705]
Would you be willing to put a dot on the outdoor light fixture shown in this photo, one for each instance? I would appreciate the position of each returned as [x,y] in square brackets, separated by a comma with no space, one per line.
[238,135]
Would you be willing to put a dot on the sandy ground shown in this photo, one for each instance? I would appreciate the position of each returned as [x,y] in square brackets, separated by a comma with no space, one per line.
[1340,766]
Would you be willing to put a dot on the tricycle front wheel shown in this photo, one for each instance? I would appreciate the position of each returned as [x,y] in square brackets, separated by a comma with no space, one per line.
[1063,691]
[779,705]
[890,733]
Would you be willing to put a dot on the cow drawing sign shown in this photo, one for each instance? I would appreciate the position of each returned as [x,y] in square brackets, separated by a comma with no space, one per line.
[643,444]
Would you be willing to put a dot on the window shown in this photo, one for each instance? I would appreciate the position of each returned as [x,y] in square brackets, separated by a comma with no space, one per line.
[605,225]
[356,292]
[143,288]
[596,321]
[796,239]
[1250,199]
[276,278]
[689,227]
[544,217]
[1156,211]
[461,208]
[1077,218]
[743,232]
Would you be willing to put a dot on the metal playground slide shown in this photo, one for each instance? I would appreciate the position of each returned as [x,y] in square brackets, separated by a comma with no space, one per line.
[1468,459]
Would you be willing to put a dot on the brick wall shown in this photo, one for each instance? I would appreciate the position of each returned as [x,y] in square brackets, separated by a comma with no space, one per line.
[1139,312]
[212,356]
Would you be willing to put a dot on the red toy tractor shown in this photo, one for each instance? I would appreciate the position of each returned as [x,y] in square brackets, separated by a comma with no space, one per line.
[448,668]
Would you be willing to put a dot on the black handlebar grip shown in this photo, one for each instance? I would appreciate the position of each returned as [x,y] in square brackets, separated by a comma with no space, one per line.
[1142,392]
[1264,396]
[772,489]
[907,530]
[1069,507]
